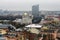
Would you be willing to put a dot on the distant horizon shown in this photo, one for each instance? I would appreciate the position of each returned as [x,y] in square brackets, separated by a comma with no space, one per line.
[28,10]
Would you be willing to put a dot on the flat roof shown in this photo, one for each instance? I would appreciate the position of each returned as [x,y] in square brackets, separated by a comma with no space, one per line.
[5,26]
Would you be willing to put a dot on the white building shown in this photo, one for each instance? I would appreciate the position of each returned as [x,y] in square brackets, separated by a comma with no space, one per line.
[26,19]
[17,20]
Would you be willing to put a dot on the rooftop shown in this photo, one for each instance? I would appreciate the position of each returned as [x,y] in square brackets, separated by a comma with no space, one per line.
[6,26]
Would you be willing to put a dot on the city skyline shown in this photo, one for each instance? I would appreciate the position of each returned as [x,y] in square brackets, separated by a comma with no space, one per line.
[26,5]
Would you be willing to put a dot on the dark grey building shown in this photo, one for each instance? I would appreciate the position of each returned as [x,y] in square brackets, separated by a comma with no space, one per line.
[35,10]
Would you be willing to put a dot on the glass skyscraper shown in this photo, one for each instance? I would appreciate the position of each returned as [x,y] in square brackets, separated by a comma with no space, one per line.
[35,10]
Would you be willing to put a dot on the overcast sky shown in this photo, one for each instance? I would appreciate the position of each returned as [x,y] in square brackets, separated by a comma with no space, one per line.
[26,5]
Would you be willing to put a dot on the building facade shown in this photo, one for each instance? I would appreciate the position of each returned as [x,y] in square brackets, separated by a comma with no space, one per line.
[35,10]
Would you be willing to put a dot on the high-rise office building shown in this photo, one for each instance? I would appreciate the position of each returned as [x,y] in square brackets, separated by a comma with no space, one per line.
[35,10]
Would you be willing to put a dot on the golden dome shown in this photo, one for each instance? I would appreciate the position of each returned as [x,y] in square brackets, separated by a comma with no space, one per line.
[25,14]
